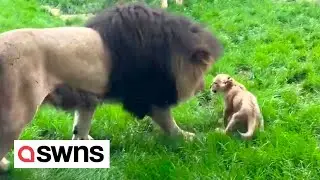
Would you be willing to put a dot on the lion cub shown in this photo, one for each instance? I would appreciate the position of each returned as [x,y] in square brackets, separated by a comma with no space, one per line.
[240,106]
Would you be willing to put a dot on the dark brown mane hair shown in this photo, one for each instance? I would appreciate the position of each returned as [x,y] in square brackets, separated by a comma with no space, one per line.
[142,42]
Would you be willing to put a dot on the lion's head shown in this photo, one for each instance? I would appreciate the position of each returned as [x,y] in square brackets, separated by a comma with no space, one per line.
[157,58]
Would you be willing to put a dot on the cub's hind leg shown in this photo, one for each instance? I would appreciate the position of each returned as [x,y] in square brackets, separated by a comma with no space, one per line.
[236,117]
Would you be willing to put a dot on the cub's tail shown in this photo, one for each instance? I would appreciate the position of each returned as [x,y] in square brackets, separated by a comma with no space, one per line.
[252,123]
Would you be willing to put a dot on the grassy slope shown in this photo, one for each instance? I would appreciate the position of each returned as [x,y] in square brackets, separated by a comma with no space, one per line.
[88,6]
[273,48]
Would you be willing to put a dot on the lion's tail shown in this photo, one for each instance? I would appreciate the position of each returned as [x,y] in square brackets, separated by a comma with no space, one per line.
[252,123]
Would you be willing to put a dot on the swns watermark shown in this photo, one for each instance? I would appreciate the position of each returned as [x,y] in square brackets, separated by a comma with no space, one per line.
[61,154]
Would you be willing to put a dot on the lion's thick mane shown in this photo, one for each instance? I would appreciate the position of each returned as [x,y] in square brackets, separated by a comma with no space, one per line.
[143,42]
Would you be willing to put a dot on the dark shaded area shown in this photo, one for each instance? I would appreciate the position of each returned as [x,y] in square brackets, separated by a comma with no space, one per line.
[69,98]
[297,77]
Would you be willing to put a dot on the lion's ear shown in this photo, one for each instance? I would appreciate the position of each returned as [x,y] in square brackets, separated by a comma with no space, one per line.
[200,55]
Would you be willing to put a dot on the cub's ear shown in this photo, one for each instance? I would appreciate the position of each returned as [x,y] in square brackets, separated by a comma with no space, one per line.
[200,55]
[229,80]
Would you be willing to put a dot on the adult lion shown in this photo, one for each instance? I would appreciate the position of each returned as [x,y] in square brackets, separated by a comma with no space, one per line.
[147,59]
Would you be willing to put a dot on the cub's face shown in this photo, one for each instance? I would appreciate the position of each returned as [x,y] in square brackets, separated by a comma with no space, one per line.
[221,83]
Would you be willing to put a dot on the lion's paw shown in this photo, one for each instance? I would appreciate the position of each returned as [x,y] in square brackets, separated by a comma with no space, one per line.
[77,137]
[4,165]
[187,135]
[164,5]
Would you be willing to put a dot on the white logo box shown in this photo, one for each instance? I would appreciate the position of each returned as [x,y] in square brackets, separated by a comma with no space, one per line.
[103,145]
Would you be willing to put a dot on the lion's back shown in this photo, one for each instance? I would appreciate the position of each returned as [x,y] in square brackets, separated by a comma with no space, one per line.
[15,44]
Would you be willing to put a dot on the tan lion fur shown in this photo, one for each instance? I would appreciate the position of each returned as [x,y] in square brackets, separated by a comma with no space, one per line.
[34,62]
[241,106]
[145,58]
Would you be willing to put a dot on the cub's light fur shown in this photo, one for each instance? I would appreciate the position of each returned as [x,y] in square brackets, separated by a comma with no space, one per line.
[240,106]
[144,58]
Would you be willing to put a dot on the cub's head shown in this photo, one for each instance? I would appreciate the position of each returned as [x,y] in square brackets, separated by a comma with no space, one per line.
[221,83]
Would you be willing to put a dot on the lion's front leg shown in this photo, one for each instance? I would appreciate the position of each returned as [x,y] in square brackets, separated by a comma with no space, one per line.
[164,3]
[82,124]
[164,119]
[179,2]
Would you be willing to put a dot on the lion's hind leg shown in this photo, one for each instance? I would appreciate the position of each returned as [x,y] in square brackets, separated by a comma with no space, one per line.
[4,165]
[12,121]
[17,108]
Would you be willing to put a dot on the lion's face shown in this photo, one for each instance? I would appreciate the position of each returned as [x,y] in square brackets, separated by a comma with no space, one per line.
[191,65]
[190,75]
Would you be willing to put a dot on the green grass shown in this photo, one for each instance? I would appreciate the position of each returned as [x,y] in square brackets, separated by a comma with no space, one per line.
[272,47]
[88,6]
[19,14]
